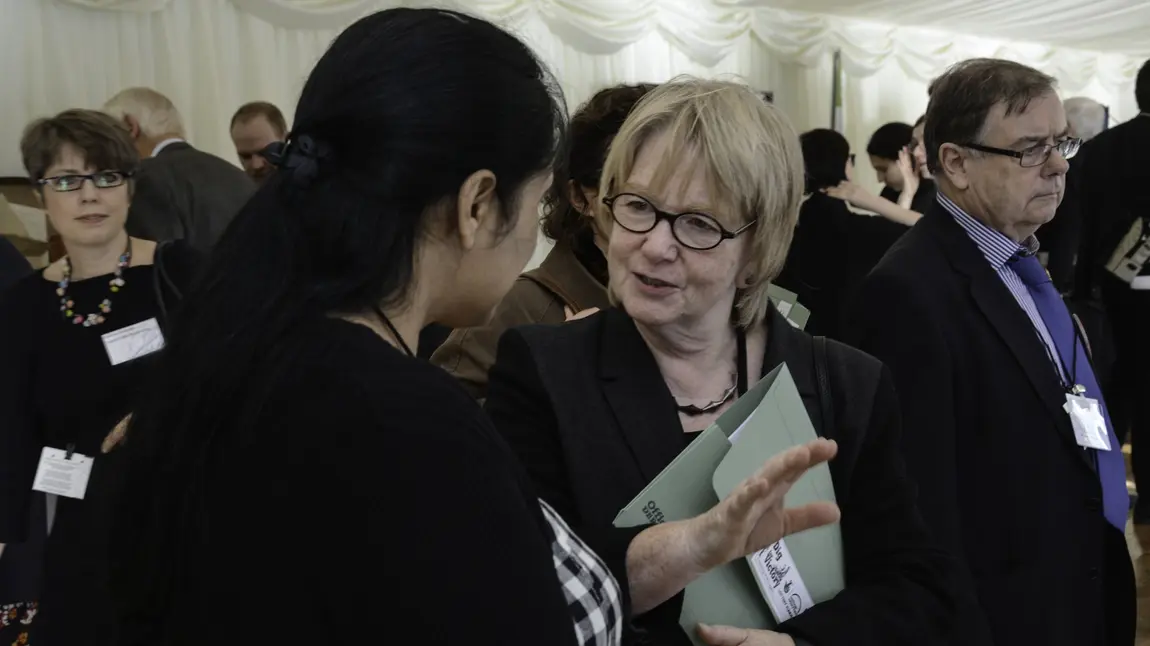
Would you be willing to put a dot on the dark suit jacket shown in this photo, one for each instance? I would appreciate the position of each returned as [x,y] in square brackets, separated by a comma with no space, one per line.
[188,194]
[587,410]
[1000,476]
[1114,193]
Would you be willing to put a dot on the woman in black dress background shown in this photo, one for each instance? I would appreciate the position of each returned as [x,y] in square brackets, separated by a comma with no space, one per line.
[59,388]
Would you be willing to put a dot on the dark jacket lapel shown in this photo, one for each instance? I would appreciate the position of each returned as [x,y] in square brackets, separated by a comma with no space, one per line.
[638,395]
[1011,323]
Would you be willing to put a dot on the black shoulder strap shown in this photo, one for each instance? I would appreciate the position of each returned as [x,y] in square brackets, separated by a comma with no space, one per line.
[823,376]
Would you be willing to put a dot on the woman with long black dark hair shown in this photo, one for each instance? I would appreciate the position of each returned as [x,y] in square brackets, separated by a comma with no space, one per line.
[298,476]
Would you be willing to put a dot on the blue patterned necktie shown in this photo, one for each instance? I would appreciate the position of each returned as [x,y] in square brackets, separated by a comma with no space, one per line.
[1111,465]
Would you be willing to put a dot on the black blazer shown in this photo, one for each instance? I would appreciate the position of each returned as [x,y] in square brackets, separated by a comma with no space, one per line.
[1114,192]
[1000,476]
[184,193]
[587,410]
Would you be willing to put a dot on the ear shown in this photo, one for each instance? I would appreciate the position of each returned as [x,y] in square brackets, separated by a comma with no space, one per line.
[133,126]
[477,207]
[953,160]
[577,197]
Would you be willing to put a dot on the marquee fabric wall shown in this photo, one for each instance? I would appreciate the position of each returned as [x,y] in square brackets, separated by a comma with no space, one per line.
[210,56]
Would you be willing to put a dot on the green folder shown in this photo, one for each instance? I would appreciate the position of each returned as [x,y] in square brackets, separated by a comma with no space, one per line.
[787,302]
[769,419]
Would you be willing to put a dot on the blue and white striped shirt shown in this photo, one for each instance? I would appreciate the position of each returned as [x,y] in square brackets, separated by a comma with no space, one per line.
[998,250]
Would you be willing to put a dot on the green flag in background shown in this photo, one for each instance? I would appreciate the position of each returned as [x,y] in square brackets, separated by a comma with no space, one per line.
[837,94]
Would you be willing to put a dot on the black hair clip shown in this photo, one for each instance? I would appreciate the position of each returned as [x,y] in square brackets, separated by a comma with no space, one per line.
[301,157]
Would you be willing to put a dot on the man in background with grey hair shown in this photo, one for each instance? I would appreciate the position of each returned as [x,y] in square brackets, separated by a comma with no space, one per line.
[180,192]
[1086,117]
[1060,238]
[1004,425]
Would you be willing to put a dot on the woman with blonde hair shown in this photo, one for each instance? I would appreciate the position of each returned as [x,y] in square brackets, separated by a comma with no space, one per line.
[701,191]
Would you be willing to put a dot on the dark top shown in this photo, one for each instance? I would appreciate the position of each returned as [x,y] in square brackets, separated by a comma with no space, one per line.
[833,249]
[818,268]
[186,194]
[1112,191]
[1001,478]
[587,410]
[58,387]
[358,493]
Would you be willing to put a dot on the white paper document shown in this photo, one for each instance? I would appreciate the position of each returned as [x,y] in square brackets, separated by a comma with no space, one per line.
[133,342]
[780,582]
[61,474]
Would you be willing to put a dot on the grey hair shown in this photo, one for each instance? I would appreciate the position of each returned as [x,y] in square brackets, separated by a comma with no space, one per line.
[1087,117]
[155,113]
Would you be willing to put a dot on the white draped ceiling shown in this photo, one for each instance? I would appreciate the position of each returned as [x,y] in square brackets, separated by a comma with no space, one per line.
[210,56]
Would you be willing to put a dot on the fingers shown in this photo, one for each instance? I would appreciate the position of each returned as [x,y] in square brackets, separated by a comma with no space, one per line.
[575,316]
[791,464]
[723,635]
[816,514]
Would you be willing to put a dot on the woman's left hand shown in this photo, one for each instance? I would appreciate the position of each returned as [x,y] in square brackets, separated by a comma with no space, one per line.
[728,636]
[848,192]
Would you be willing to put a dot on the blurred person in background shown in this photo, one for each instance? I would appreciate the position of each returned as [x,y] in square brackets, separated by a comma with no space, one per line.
[181,193]
[76,344]
[1112,186]
[254,127]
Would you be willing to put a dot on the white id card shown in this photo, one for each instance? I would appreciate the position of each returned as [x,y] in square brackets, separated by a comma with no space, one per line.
[1088,422]
[133,342]
[780,583]
[62,475]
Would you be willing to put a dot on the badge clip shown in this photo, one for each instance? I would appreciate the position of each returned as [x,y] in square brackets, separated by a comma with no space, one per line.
[69,451]
[1078,389]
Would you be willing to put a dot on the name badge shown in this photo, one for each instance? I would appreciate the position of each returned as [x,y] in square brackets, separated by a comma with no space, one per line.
[780,583]
[133,342]
[1088,422]
[62,474]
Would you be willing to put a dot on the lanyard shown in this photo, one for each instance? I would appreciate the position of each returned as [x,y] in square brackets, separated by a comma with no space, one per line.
[1059,363]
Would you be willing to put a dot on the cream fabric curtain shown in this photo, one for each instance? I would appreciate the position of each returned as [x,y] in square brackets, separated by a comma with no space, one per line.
[210,56]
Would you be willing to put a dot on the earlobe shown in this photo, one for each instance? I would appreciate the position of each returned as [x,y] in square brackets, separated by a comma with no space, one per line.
[476,207]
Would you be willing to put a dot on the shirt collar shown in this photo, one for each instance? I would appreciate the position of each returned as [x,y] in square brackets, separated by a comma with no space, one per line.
[995,246]
[164,144]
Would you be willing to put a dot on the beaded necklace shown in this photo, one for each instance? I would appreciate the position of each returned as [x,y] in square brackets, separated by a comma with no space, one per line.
[67,305]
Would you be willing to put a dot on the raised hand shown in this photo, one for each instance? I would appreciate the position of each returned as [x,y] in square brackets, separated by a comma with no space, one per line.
[753,516]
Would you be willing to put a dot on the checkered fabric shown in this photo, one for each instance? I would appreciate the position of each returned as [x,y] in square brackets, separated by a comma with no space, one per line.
[593,596]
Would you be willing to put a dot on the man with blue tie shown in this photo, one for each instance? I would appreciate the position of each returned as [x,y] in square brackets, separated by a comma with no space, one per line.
[1004,427]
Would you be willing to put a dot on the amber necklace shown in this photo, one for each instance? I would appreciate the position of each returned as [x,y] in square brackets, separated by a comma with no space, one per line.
[67,305]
